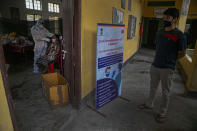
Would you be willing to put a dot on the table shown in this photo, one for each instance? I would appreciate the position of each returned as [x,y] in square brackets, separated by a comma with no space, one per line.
[20,48]
[11,49]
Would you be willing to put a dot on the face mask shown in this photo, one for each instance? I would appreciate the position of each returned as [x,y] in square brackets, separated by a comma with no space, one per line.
[167,23]
[107,74]
[53,40]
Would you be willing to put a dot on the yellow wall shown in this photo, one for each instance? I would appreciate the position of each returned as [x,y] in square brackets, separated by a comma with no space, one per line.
[5,119]
[182,23]
[192,82]
[190,70]
[149,10]
[100,11]
[186,64]
[189,66]
[193,85]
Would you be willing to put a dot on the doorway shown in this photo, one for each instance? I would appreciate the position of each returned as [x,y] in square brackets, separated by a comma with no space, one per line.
[71,26]
[152,30]
[191,33]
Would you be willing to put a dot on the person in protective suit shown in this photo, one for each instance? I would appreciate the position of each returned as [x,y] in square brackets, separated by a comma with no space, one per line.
[39,34]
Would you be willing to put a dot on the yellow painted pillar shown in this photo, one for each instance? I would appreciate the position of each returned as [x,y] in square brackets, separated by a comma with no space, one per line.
[5,118]
[192,81]
[183,14]
[182,22]
[185,63]
[188,65]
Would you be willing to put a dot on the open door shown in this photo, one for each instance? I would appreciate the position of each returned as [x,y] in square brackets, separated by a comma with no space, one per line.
[152,30]
[72,46]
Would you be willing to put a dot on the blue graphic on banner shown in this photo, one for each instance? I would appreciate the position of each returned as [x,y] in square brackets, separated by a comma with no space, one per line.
[109,60]
[106,91]
[110,44]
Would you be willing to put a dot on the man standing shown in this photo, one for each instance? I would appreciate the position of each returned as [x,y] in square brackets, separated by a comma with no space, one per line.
[170,46]
[39,34]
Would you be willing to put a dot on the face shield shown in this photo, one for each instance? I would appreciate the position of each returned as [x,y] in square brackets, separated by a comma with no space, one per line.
[40,22]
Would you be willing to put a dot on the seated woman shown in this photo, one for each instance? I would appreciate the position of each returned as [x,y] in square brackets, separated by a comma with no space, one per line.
[51,55]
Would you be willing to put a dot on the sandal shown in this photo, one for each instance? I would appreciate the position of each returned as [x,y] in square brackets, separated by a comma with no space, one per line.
[144,106]
[160,118]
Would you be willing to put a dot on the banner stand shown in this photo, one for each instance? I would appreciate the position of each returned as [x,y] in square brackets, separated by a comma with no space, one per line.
[123,98]
[109,62]
[91,104]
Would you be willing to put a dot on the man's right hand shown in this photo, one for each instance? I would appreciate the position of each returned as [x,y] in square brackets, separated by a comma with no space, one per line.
[181,54]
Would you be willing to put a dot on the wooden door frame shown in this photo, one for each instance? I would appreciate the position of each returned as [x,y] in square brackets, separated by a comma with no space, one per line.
[7,89]
[71,15]
[141,35]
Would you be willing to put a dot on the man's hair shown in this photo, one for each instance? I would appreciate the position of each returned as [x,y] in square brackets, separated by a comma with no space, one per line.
[174,12]
[57,38]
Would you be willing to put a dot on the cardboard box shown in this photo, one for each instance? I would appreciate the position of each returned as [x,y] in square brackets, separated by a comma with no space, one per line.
[55,89]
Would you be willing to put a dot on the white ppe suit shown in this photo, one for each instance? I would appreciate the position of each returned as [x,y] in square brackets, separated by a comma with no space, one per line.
[39,34]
